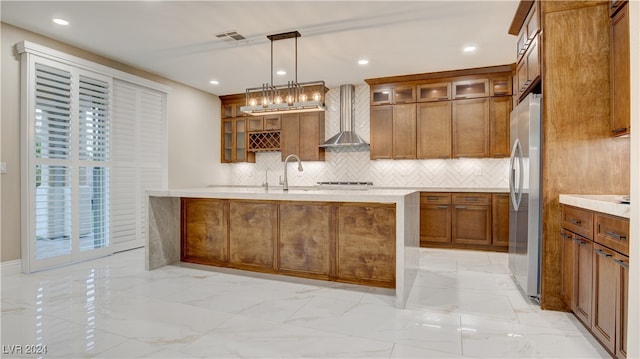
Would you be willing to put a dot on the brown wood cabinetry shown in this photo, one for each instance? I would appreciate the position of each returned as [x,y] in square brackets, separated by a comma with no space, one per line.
[528,51]
[434,130]
[404,131]
[393,132]
[595,274]
[393,94]
[252,234]
[471,218]
[435,218]
[465,89]
[499,118]
[438,91]
[464,220]
[620,70]
[306,233]
[207,230]
[381,125]
[346,242]
[366,244]
[301,134]
[471,128]
[500,220]
[234,141]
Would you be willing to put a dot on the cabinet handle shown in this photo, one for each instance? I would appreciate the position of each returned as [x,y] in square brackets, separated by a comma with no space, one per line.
[582,243]
[564,235]
[623,264]
[603,254]
[432,198]
[461,207]
[619,130]
[471,199]
[615,235]
[575,221]
[442,207]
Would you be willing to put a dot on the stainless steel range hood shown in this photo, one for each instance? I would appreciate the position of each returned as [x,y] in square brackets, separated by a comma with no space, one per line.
[346,137]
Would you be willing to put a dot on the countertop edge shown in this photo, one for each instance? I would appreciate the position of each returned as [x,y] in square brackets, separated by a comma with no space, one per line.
[608,204]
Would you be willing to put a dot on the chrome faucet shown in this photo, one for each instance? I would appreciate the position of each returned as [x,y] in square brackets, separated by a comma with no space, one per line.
[285,183]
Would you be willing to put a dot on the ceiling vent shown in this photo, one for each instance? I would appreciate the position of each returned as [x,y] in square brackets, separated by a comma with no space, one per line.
[230,36]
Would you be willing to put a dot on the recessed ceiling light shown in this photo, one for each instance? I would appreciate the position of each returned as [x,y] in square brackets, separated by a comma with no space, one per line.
[469,49]
[281,72]
[214,82]
[363,62]
[61,21]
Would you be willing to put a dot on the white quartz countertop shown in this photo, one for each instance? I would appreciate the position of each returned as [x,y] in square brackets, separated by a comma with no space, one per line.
[294,194]
[609,204]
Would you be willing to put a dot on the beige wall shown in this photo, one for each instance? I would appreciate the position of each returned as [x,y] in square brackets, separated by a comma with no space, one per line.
[193,132]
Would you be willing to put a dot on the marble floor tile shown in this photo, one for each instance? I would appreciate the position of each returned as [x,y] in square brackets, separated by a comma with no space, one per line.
[464,305]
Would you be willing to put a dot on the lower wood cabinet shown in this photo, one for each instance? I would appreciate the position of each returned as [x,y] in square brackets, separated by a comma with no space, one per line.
[595,275]
[465,220]
[346,242]
[206,230]
[307,232]
[253,234]
[366,244]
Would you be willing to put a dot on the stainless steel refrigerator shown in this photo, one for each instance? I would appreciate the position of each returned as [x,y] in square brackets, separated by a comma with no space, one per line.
[524,185]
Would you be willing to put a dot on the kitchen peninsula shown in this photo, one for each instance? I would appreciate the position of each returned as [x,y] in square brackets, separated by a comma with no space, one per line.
[368,237]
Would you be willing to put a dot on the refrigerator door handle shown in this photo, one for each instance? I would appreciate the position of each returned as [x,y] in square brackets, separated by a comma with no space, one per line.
[516,192]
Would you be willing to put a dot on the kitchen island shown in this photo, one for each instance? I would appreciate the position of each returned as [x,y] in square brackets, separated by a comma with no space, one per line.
[368,237]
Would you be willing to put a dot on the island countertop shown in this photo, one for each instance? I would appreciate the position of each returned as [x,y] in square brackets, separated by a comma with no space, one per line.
[293,194]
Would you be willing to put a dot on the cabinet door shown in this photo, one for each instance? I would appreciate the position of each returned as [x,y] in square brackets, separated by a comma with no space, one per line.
[583,280]
[240,154]
[434,92]
[254,124]
[470,88]
[306,231]
[404,131]
[603,316]
[622,305]
[532,58]
[204,231]
[471,225]
[435,224]
[521,77]
[253,232]
[500,220]
[311,136]
[366,244]
[501,86]
[227,141]
[568,257]
[404,94]
[500,110]
[381,127]
[471,128]
[434,130]
[381,95]
[271,122]
[289,135]
[620,104]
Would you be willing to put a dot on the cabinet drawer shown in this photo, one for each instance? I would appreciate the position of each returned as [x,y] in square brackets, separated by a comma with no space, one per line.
[612,232]
[472,198]
[435,198]
[578,221]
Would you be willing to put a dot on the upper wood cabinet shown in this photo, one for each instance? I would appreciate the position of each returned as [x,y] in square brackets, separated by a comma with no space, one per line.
[404,131]
[393,132]
[528,69]
[619,61]
[470,88]
[381,128]
[234,141]
[500,111]
[439,91]
[471,128]
[393,94]
[529,30]
[232,109]
[434,130]
[301,134]
[501,86]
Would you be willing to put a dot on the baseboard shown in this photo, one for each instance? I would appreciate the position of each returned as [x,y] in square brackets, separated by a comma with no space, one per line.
[11,267]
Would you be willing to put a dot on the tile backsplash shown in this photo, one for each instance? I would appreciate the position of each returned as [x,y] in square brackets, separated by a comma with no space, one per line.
[355,165]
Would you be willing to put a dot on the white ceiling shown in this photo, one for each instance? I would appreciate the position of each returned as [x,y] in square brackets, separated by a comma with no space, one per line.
[176,39]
